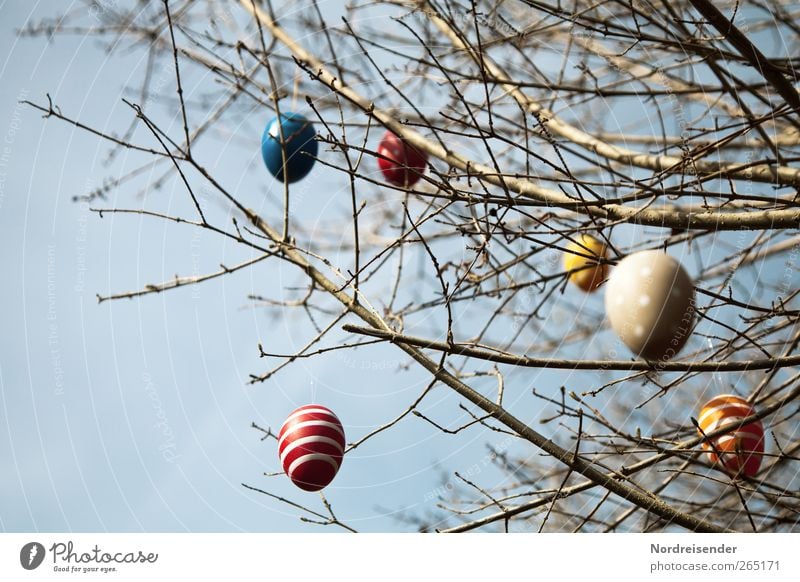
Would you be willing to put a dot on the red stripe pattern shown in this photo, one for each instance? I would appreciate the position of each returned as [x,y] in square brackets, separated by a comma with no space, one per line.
[741,449]
[311,446]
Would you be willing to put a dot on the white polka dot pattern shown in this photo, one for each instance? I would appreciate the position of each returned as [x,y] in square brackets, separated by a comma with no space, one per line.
[650,304]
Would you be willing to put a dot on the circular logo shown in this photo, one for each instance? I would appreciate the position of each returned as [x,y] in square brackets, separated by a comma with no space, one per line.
[31,555]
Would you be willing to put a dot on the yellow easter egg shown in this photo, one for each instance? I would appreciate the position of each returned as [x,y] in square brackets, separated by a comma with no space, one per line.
[579,255]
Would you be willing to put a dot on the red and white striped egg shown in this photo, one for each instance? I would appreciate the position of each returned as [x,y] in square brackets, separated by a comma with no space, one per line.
[740,449]
[311,446]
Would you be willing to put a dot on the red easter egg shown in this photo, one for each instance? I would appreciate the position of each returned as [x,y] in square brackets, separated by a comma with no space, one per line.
[402,164]
[311,445]
[740,449]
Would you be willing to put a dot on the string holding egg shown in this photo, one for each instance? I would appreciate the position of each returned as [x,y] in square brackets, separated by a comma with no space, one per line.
[741,449]
[311,446]
[299,146]
[650,304]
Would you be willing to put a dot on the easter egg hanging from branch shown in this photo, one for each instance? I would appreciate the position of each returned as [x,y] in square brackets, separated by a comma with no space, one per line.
[311,445]
[650,304]
[739,451]
[298,148]
[581,257]
[401,163]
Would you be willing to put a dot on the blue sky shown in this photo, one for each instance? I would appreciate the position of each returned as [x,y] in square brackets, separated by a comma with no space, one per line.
[135,415]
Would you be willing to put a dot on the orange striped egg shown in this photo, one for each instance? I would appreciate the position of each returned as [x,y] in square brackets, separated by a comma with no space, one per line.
[311,446]
[740,449]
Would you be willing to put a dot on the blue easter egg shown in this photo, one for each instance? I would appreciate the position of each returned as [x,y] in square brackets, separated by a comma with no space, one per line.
[299,145]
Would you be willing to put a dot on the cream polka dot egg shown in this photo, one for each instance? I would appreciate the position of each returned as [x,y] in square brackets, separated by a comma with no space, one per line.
[650,304]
